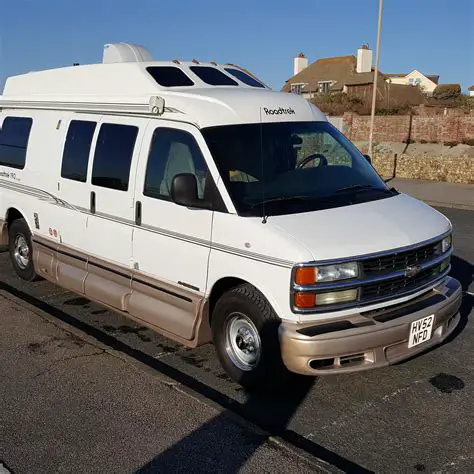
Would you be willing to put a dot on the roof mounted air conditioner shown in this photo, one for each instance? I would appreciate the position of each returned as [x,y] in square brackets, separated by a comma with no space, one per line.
[125,53]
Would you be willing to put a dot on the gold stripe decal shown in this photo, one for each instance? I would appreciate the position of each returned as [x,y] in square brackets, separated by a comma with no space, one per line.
[45,196]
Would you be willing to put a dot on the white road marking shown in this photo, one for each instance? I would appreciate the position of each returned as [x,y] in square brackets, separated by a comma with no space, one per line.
[345,419]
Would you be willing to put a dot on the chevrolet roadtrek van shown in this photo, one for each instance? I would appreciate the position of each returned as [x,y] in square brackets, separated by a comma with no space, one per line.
[194,199]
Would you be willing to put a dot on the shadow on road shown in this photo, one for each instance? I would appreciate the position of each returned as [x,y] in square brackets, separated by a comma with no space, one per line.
[273,413]
[270,412]
[193,453]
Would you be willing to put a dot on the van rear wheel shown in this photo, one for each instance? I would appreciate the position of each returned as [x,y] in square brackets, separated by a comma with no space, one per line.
[21,250]
[245,335]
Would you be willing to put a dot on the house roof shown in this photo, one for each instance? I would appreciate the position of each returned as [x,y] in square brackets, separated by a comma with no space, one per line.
[360,79]
[471,88]
[431,77]
[338,69]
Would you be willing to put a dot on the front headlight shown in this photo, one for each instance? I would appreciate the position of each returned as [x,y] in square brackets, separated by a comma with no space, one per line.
[339,271]
[326,273]
[446,243]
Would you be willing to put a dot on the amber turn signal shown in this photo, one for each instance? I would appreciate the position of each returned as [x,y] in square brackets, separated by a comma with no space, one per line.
[305,276]
[305,300]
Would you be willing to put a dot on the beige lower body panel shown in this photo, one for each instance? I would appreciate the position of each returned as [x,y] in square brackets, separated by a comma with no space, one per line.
[377,344]
[3,233]
[172,310]
[159,303]
[71,271]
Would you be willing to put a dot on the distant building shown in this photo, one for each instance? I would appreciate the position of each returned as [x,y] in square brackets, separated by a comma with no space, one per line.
[471,91]
[329,74]
[415,78]
[353,75]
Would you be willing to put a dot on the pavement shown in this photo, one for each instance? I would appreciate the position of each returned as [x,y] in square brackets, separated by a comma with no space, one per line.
[84,389]
[71,404]
[436,193]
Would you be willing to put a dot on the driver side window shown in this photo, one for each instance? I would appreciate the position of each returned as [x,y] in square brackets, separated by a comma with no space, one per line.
[173,152]
[323,144]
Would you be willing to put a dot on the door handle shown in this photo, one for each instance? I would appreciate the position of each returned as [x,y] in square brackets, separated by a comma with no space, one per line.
[138,213]
[92,207]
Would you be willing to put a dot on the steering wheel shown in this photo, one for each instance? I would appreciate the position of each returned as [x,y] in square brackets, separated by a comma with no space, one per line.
[315,156]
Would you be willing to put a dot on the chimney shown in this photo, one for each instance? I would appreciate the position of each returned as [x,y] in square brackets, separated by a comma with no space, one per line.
[301,62]
[364,59]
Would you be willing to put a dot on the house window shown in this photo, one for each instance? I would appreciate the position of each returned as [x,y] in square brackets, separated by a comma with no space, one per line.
[297,88]
[324,86]
[414,81]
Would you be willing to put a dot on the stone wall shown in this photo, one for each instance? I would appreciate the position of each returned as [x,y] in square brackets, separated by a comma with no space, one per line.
[439,168]
[401,128]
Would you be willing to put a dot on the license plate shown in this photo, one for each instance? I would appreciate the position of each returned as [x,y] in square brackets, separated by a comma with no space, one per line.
[420,331]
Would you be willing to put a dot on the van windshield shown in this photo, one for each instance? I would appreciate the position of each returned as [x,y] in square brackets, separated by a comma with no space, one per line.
[290,167]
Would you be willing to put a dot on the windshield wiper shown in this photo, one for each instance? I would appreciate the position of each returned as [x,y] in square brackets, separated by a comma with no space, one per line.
[363,187]
[354,187]
[284,198]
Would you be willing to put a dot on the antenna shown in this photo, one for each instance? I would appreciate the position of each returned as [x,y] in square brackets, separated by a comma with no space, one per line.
[264,216]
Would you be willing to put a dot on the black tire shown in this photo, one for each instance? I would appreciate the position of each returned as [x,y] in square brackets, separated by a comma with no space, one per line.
[269,371]
[19,230]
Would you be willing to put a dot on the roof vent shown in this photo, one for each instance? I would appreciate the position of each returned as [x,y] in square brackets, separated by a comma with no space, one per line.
[125,53]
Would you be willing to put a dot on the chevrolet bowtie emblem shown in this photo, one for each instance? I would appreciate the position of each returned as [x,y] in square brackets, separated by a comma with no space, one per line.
[412,271]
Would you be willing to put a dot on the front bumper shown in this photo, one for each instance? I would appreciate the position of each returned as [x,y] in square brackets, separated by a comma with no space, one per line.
[370,339]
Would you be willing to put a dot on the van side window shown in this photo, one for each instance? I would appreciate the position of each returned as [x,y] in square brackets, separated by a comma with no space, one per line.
[212,76]
[14,136]
[77,149]
[113,156]
[172,152]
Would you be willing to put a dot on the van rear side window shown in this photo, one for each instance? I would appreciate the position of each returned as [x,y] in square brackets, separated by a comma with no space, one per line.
[243,77]
[169,76]
[113,156]
[14,136]
[77,149]
[212,76]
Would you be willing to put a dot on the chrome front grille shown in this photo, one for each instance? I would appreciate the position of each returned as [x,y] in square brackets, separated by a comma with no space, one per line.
[400,260]
[398,285]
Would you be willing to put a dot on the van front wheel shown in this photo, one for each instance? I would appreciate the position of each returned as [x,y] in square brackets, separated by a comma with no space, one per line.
[245,335]
[21,250]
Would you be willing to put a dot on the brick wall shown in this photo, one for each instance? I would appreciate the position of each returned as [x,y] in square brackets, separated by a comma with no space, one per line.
[397,128]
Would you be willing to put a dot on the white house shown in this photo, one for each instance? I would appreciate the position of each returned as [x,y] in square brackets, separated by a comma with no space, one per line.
[471,91]
[415,78]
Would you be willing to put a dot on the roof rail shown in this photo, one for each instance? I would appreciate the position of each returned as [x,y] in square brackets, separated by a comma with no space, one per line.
[155,106]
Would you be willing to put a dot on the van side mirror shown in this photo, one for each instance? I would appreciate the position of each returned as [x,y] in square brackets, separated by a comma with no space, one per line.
[184,192]
[368,158]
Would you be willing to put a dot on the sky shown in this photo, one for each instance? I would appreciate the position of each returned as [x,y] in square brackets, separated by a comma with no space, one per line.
[433,36]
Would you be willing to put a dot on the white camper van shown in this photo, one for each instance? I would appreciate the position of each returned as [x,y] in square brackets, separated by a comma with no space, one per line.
[194,199]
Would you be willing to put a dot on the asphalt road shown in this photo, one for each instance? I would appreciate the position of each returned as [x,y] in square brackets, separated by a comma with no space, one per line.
[413,417]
